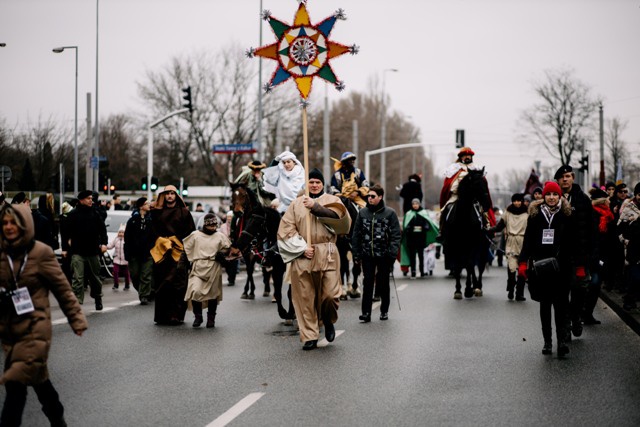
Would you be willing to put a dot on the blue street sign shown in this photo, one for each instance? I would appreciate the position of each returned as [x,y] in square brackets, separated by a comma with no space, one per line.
[233,148]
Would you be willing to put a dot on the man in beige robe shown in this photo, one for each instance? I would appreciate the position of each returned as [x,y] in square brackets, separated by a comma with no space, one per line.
[315,264]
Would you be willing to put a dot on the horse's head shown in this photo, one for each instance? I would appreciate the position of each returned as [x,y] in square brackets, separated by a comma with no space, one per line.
[474,188]
[240,199]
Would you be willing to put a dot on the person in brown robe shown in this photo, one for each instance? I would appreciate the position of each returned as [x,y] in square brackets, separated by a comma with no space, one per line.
[315,264]
[26,337]
[171,222]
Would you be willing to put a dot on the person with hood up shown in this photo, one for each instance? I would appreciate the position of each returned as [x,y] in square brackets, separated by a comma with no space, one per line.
[205,249]
[514,224]
[412,189]
[419,231]
[171,222]
[551,233]
[137,243]
[28,272]
[287,177]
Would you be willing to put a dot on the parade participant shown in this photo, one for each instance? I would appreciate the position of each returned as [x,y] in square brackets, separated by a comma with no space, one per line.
[412,189]
[87,242]
[120,264]
[514,224]
[629,231]
[604,240]
[315,264]
[550,233]
[418,232]
[346,171]
[610,188]
[205,249]
[537,193]
[582,215]
[28,272]
[351,198]
[455,173]
[137,243]
[287,177]
[252,177]
[615,277]
[171,222]
[375,243]
[231,266]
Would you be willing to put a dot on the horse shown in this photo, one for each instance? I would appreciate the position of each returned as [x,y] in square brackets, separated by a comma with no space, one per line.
[254,235]
[466,243]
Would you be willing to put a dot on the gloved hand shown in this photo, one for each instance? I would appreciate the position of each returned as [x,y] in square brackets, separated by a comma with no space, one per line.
[391,262]
[522,270]
[580,273]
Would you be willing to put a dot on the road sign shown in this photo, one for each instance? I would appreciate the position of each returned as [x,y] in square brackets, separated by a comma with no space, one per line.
[95,161]
[234,149]
[5,174]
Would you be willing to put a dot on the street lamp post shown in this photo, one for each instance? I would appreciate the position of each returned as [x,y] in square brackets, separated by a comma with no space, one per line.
[96,153]
[75,121]
[383,130]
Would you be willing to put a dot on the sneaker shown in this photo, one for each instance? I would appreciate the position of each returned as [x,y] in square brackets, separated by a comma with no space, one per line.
[144,301]
[126,288]
[115,287]
[384,316]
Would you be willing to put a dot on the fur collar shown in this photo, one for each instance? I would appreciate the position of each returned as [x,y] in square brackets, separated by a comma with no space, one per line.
[534,207]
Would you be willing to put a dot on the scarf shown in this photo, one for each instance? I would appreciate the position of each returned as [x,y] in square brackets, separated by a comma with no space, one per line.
[315,196]
[606,216]
[550,211]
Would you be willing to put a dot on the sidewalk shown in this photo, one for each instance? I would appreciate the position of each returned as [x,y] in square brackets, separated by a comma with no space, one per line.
[614,301]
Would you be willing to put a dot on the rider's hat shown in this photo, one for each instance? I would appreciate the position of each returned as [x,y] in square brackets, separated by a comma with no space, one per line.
[256,165]
[465,151]
[347,155]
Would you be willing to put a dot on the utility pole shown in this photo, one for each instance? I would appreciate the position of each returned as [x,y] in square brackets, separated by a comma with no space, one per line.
[89,170]
[325,140]
[601,146]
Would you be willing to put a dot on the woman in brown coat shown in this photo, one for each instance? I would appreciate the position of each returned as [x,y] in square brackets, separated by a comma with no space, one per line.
[26,337]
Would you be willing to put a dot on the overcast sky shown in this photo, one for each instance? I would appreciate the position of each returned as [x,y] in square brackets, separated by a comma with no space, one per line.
[463,64]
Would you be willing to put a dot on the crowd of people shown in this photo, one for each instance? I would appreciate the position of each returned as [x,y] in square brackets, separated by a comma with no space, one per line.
[564,243]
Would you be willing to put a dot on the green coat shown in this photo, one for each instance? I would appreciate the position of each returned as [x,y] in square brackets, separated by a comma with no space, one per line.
[431,234]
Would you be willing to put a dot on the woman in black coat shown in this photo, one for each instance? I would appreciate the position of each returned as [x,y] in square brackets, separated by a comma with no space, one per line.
[550,233]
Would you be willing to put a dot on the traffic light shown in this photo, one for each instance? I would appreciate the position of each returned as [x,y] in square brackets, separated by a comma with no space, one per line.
[185,190]
[68,183]
[143,183]
[154,183]
[584,163]
[187,99]
[459,138]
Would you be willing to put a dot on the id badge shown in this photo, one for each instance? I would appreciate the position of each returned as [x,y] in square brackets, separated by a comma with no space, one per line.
[547,236]
[22,301]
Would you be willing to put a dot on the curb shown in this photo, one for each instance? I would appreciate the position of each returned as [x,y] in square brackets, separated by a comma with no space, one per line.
[630,318]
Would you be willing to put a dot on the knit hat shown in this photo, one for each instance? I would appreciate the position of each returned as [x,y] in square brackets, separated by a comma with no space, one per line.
[537,190]
[316,174]
[597,193]
[84,194]
[415,201]
[527,198]
[550,187]
[140,202]
[610,184]
[561,171]
[517,197]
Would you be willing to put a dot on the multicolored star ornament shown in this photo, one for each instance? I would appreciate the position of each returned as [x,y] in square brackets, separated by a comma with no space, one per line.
[303,50]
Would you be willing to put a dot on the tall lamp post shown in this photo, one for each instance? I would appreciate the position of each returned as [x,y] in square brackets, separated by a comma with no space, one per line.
[75,125]
[383,130]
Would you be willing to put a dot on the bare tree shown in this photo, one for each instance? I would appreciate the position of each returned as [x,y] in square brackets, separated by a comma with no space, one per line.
[562,121]
[118,143]
[618,153]
[224,96]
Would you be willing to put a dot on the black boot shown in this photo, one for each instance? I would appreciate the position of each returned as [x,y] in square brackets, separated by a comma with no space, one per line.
[546,334]
[211,313]
[197,312]
[520,289]
[511,283]
[563,348]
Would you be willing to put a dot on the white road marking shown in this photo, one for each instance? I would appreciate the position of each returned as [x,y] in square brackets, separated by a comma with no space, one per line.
[375,305]
[402,287]
[323,342]
[236,410]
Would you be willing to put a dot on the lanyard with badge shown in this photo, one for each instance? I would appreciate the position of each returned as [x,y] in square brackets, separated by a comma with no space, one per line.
[20,296]
[548,233]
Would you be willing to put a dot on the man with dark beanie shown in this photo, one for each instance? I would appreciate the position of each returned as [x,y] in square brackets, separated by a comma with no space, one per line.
[307,239]
[583,219]
[629,230]
[87,242]
[375,242]
[137,243]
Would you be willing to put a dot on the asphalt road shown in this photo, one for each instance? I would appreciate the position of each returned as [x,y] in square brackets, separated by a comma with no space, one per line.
[437,362]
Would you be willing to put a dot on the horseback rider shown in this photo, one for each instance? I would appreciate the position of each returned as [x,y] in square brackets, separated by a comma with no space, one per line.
[253,177]
[455,173]
[346,171]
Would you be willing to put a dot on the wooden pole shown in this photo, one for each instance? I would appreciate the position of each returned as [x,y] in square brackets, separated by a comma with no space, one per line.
[305,141]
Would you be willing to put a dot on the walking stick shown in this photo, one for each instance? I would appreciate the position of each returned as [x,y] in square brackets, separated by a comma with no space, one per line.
[396,288]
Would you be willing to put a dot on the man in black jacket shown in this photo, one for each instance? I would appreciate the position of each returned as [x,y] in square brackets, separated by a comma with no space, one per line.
[583,217]
[375,244]
[137,244]
[87,241]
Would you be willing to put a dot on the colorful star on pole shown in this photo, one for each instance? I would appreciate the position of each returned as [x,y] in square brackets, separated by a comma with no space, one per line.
[303,50]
